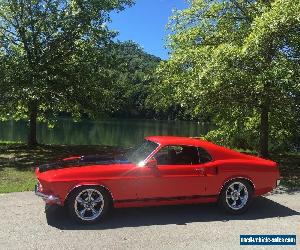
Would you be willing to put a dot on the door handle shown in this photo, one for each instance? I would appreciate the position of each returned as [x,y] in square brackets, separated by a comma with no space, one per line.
[208,171]
[200,170]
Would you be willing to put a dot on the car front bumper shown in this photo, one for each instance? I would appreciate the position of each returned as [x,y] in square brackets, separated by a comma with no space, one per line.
[49,199]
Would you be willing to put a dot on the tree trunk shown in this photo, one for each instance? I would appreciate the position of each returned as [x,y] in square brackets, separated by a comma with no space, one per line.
[264,131]
[32,111]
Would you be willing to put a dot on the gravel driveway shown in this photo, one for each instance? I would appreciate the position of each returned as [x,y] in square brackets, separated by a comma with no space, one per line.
[25,225]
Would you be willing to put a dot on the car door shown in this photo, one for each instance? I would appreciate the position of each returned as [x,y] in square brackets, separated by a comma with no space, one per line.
[177,177]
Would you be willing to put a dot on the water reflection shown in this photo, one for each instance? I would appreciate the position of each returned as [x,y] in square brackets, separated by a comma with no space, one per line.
[123,132]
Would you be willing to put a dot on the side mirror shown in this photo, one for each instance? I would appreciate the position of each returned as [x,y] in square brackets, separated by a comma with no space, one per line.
[152,163]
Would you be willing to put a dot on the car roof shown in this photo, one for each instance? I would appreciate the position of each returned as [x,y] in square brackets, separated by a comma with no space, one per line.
[177,140]
[217,152]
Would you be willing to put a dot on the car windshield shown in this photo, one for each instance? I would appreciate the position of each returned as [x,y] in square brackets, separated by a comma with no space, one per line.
[141,152]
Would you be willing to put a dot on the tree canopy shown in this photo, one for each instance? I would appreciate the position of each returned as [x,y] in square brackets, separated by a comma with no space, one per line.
[134,70]
[53,58]
[237,62]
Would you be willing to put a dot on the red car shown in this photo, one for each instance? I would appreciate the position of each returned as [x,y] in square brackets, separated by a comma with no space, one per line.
[162,170]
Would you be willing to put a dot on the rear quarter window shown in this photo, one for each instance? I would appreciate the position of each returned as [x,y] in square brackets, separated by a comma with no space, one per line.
[204,156]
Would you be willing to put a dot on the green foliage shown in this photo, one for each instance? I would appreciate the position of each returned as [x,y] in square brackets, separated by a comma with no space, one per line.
[53,58]
[237,62]
[133,73]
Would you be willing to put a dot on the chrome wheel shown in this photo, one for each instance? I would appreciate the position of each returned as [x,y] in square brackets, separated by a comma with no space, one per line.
[89,204]
[236,195]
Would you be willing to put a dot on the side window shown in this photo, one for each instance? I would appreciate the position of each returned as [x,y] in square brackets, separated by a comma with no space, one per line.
[204,156]
[177,155]
[167,155]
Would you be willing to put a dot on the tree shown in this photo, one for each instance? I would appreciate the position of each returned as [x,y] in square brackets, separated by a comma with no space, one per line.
[48,53]
[237,62]
[134,73]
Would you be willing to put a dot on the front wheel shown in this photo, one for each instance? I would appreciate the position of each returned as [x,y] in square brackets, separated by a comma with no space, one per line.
[88,204]
[236,196]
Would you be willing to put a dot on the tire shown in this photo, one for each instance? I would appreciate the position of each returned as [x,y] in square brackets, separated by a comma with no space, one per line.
[236,196]
[89,204]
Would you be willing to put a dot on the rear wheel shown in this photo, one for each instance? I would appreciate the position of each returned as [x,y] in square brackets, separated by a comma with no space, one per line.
[236,196]
[89,204]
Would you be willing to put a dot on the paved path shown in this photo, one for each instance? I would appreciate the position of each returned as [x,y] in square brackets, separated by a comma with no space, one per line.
[24,225]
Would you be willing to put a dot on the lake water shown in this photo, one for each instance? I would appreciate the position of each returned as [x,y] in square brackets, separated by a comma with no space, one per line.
[114,132]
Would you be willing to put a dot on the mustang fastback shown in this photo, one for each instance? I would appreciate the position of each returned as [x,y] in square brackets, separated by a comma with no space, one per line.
[162,170]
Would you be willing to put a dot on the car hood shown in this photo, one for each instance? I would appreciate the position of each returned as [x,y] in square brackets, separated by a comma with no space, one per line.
[85,160]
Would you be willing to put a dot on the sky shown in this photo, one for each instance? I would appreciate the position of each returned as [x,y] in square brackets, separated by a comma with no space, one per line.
[145,23]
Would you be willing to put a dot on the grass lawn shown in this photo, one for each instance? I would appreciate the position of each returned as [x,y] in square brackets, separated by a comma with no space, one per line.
[17,163]
[13,180]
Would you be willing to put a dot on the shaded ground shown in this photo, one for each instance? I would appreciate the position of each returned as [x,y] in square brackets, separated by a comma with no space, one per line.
[289,165]
[17,163]
[24,225]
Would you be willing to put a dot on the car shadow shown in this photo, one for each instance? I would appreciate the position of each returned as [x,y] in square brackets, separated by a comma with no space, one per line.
[261,208]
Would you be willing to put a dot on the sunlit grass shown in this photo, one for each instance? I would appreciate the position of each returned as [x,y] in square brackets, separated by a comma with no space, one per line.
[13,180]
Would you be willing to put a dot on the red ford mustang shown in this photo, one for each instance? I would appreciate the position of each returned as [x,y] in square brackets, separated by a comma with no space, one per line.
[162,170]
